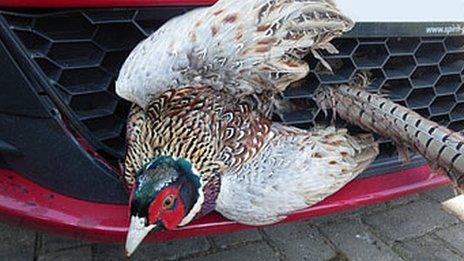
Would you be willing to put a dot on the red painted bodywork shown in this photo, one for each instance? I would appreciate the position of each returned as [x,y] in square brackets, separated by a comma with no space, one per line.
[102,3]
[28,204]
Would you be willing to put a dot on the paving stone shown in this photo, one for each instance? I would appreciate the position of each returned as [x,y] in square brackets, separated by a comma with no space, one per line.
[16,243]
[53,243]
[402,201]
[440,194]
[298,241]
[236,238]
[409,221]
[171,250]
[362,211]
[357,243]
[57,248]
[152,251]
[454,236]
[428,247]
[83,253]
[101,252]
[351,214]
[255,252]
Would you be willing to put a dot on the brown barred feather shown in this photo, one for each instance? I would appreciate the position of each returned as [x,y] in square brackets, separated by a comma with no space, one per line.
[134,143]
[212,130]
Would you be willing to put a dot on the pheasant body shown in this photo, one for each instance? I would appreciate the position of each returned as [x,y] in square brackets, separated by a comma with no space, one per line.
[241,156]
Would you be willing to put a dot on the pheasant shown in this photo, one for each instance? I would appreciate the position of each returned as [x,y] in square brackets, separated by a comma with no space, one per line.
[196,150]
[200,135]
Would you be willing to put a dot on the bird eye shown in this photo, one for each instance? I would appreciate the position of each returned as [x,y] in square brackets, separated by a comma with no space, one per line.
[168,202]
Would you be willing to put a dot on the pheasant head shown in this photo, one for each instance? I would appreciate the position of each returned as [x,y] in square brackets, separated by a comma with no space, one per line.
[167,194]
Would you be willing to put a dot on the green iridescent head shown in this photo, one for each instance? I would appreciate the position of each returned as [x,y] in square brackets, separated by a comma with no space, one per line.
[167,194]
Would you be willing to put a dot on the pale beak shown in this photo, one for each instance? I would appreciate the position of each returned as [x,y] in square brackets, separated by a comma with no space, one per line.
[137,232]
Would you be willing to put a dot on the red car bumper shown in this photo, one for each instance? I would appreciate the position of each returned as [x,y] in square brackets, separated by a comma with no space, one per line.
[27,204]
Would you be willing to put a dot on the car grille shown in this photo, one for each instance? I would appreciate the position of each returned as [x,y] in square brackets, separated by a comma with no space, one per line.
[79,53]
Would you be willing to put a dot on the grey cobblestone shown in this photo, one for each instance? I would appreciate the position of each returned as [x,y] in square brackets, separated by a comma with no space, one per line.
[299,241]
[351,214]
[236,238]
[103,252]
[402,201]
[171,250]
[454,236]
[428,247]
[441,194]
[255,252]
[72,254]
[57,248]
[53,243]
[408,221]
[16,243]
[356,242]
[153,251]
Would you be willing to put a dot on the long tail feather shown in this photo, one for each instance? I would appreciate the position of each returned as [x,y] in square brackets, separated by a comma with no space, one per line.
[442,147]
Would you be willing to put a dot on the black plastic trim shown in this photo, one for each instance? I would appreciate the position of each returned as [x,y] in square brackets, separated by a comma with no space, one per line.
[36,142]
[41,83]
[8,149]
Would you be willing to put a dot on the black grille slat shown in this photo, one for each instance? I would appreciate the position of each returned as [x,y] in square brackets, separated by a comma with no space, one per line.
[81,51]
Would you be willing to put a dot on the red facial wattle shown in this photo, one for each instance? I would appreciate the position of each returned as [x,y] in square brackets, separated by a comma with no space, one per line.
[170,218]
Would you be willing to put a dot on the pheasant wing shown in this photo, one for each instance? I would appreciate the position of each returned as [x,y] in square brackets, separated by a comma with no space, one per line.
[242,47]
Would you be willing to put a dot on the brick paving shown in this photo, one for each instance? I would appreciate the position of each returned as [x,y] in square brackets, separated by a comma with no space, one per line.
[412,228]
